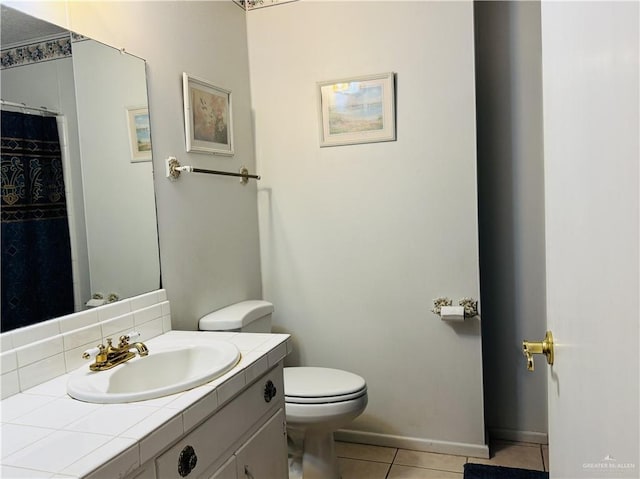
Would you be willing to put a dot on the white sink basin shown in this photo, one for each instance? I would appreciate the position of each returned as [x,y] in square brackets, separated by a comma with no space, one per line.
[164,371]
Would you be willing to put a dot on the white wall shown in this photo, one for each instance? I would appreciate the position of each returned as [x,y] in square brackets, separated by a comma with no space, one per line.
[207,225]
[511,199]
[122,233]
[357,240]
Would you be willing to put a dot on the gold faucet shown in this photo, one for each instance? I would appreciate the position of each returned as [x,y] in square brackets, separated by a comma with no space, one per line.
[109,356]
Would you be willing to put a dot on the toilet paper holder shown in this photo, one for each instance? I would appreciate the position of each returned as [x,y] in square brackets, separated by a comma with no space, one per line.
[470,306]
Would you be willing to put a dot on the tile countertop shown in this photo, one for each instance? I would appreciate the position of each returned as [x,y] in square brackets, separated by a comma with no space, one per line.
[47,434]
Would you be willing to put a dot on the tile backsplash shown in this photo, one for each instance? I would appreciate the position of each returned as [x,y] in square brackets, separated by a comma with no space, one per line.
[35,354]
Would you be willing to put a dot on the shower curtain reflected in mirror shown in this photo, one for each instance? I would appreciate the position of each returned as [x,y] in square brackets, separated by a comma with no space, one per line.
[37,282]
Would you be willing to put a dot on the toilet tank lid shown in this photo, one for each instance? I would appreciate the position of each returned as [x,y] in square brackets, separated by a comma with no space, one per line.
[235,316]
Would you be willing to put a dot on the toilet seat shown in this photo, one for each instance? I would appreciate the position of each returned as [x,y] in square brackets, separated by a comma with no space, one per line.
[312,385]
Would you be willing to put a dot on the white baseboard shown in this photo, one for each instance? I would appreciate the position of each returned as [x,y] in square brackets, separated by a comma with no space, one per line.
[519,436]
[416,444]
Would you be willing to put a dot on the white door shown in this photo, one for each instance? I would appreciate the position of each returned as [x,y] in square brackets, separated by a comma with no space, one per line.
[591,136]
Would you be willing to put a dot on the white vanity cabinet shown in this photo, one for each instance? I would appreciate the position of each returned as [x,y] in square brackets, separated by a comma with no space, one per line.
[244,439]
[258,457]
[234,421]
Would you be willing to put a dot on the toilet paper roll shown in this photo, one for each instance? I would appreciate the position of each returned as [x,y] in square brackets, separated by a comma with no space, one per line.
[452,313]
[92,303]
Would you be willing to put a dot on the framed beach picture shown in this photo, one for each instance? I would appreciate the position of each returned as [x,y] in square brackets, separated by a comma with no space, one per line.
[139,133]
[207,117]
[357,110]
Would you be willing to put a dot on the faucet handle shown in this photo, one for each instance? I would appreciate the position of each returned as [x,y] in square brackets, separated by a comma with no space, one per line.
[125,338]
[93,352]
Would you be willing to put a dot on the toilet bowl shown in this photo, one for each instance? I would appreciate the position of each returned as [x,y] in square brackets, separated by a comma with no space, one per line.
[318,401]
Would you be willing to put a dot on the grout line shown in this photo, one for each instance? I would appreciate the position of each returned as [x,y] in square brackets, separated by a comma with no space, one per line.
[395,454]
[423,469]
[364,460]
[430,468]
[544,466]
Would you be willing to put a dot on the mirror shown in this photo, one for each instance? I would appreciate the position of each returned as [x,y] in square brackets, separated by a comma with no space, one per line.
[95,231]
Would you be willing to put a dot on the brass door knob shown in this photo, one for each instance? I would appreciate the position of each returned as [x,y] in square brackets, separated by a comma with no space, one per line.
[529,348]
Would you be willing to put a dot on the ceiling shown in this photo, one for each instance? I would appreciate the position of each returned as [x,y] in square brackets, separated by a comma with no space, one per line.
[18,28]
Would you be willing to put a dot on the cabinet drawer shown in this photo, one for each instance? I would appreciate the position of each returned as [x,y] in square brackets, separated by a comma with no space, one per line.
[194,453]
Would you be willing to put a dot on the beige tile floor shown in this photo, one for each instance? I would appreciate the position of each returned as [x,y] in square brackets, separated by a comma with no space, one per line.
[361,461]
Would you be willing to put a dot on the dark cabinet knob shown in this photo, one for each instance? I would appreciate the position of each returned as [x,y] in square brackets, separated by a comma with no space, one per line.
[187,461]
[269,391]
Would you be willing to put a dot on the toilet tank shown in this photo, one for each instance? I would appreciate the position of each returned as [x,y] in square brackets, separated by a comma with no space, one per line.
[253,316]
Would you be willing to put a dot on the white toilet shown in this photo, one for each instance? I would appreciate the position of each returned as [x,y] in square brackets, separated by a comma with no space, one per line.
[318,401]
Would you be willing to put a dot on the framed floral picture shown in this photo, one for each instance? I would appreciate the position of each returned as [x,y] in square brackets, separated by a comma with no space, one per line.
[139,133]
[357,110]
[207,117]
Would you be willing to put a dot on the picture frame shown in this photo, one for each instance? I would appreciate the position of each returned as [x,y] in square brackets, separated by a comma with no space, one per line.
[208,117]
[357,110]
[139,133]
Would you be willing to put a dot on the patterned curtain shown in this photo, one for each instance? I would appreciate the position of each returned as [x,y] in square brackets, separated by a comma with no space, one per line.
[37,281]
